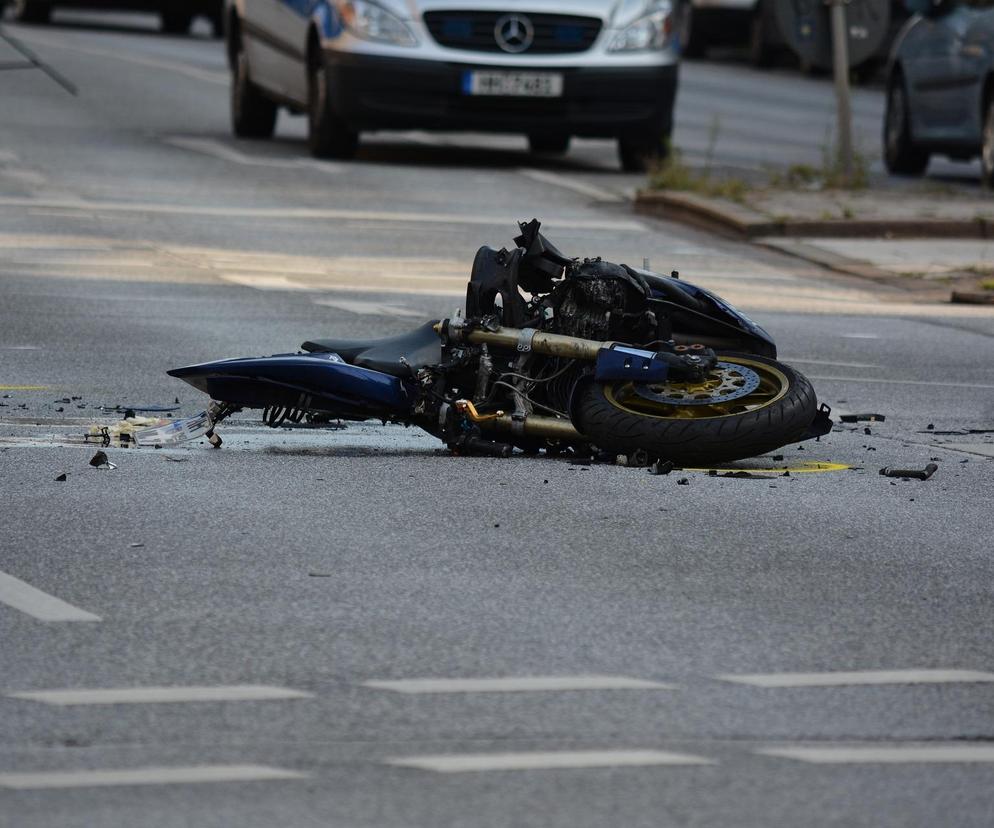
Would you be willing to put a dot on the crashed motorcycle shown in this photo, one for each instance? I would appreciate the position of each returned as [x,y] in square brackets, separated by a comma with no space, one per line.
[553,354]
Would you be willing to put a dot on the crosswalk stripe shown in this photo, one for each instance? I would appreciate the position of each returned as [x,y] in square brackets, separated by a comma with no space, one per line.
[546,760]
[857,677]
[515,684]
[28,599]
[160,695]
[195,774]
[883,754]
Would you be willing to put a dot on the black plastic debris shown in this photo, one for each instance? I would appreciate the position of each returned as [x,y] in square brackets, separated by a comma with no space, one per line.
[100,461]
[683,481]
[862,418]
[136,545]
[661,467]
[867,430]
[744,475]
[910,474]
[777,457]
[61,478]
[318,574]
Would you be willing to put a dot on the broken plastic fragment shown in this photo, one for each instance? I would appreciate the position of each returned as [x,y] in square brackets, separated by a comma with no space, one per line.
[856,418]
[100,461]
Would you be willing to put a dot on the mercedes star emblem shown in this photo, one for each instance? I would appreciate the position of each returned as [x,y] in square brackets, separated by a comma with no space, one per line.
[514,32]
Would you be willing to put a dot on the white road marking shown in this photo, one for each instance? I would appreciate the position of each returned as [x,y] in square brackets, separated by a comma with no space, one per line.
[882,381]
[195,774]
[516,685]
[891,754]
[789,360]
[568,183]
[22,596]
[308,213]
[217,149]
[261,282]
[842,679]
[368,308]
[161,695]
[546,760]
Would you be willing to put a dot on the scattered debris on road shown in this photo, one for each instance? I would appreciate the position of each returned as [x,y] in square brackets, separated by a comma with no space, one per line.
[100,461]
[61,478]
[683,481]
[861,418]
[909,474]
[661,467]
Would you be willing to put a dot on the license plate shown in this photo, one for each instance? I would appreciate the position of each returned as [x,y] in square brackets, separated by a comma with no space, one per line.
[514,84]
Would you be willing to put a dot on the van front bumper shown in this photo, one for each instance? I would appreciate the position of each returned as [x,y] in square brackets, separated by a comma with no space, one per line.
[372,92]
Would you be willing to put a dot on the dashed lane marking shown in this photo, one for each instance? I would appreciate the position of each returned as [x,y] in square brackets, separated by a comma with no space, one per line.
[24,388]
[194,774]
[546,760]
[516,684]
[161,695]
[883,754]
[22,596]
[857,677]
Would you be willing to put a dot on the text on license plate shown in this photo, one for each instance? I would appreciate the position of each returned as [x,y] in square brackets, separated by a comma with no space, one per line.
[520,84]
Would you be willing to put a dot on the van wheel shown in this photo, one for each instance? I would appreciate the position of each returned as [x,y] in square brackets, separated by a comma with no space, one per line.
[32,11]
[176,21]
[549,144]
[253,115]
[327,135]
[639,152]
[901,155]
[689,35]
[761,53]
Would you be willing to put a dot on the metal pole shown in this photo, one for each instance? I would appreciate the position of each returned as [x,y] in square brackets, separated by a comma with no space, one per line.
[840,64]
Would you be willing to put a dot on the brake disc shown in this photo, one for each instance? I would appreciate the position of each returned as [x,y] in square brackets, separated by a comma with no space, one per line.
[724,383]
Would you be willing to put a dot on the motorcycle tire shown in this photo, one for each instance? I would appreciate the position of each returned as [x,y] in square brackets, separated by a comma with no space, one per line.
[616,418]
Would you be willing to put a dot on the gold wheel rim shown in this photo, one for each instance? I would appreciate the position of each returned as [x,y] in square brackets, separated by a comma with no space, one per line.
[773,385]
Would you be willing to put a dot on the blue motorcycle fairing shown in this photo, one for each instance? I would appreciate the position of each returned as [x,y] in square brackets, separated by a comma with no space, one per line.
[733,314]
[701,302]
[317,382]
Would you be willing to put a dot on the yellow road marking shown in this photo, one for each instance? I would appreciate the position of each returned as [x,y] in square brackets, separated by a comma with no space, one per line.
[808,467]
[23,387]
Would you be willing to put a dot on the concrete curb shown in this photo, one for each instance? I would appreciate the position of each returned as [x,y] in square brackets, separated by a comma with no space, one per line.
[742,222]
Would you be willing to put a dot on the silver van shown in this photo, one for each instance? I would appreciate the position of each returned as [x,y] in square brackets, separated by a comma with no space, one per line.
[550,69]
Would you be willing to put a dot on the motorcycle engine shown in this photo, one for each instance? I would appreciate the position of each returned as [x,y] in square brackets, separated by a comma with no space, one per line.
[603,301]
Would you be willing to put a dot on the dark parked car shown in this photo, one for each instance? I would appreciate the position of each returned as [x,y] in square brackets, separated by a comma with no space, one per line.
[940,87]
[177,15]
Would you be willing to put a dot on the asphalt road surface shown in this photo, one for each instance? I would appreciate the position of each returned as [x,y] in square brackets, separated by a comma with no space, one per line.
[352,628]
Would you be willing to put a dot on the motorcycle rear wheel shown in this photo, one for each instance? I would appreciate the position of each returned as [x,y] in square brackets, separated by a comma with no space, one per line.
[616,418]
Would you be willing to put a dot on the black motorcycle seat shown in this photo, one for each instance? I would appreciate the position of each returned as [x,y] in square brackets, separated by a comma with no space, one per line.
[419,348]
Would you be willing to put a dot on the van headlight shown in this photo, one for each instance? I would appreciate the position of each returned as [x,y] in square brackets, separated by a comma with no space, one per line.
[373,22]
[647,34]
